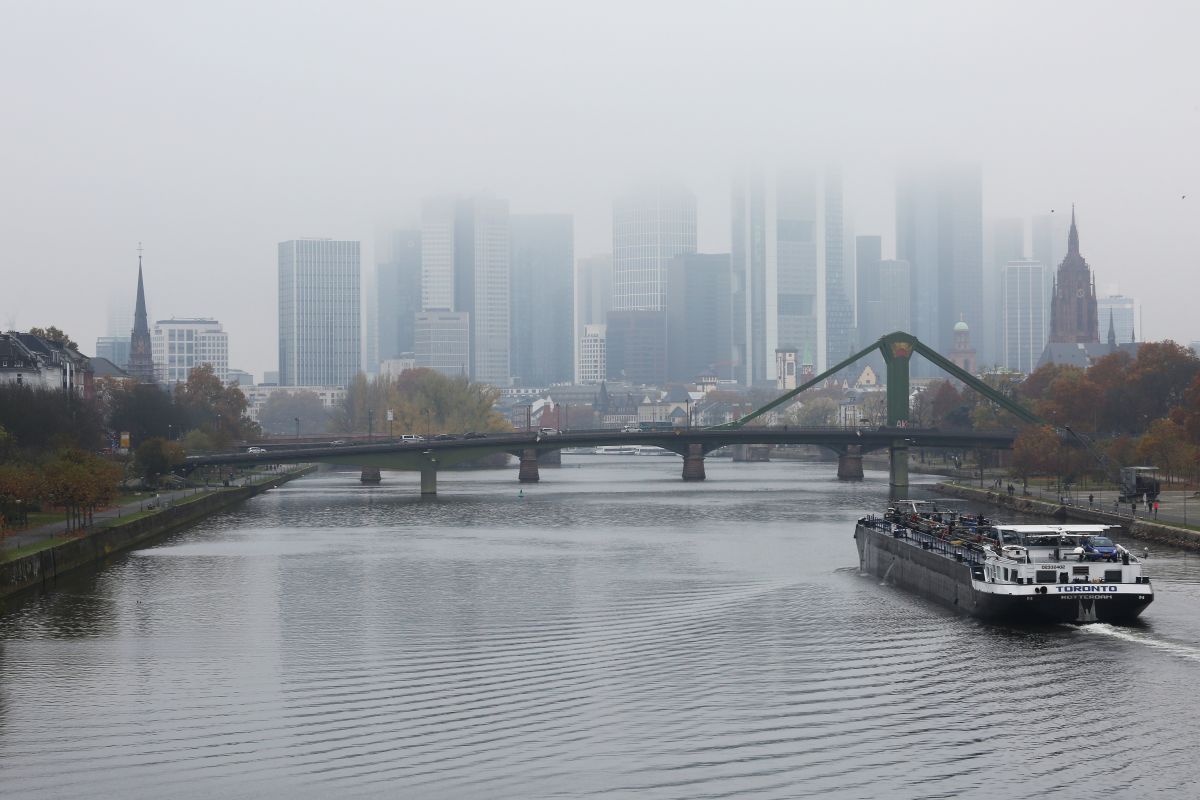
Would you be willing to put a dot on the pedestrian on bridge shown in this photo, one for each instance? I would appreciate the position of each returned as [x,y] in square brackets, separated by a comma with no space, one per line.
[1156,509]
[1091,500]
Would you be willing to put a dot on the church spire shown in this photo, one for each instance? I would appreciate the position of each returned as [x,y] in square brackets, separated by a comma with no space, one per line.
[1073,237]
[139,312]
[1112,331]
[141,356]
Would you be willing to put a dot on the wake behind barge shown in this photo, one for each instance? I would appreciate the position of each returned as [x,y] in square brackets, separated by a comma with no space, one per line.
[1011,573]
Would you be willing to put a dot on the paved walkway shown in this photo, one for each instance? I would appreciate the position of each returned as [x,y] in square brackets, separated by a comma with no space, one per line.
[1174,505]
[13,540]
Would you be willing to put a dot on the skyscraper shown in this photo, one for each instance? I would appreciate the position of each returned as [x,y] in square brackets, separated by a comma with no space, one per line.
[1007,244]
[141,348]
[886,292]
[542,320]
[593,299]
[636,346]
[1046,248]
[839,305]
[699,326]
[776,264]
[1121,310]
[939,232]
[1024,315]
[868,253]
[465,253]
[1073,313]
[650,227]
[398,294]
[319,312]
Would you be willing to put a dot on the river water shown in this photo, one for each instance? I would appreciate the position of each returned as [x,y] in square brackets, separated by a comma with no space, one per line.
[614,632]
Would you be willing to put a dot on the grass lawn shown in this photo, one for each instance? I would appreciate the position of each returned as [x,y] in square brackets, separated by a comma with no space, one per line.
[12,554]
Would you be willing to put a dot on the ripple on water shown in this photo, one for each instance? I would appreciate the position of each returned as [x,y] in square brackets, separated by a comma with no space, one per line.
[614,633]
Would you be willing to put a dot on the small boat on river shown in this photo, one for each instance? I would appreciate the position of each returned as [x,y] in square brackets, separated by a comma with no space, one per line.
[1013,573]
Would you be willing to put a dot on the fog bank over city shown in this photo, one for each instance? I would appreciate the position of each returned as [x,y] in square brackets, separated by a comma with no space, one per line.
[211,132]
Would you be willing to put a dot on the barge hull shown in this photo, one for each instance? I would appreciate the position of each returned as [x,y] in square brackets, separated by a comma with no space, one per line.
[950,583]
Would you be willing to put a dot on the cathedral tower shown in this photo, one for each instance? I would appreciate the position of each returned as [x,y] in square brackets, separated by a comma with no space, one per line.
[1073,306]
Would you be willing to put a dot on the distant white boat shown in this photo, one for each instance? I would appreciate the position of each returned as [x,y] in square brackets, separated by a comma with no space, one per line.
[619,450]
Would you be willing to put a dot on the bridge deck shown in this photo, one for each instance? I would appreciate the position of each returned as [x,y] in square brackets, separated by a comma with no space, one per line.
[414,455]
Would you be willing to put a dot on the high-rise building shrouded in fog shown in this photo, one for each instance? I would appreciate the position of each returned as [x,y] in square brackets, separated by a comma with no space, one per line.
[1023,315]
[1046,248]
[1006,244]
[651,226]
[698,317]
[1120,310]
[398,294]
[319,312]
[939,232]
[593,301]
[778,251]
[868,252]
[542,318]
[839,302]
[465,254]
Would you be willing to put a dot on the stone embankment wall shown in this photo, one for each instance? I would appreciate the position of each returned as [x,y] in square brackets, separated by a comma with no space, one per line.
[1148,529]
[40,569]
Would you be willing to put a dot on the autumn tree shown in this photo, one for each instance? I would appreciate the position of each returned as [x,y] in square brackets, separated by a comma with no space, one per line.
[422,400]
[1036,452]
[53,334]
[279,414]
[813,413]
[1165,445]
[143,410]
[212,407]
[156,457]
[1159,381]
[39,420]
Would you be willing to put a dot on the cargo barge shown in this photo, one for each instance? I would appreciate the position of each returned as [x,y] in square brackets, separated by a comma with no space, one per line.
[1007,573]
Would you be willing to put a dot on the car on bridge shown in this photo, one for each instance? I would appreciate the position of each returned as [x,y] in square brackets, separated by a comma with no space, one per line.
[445,437]
[474,435]
[410,438]
[256,450]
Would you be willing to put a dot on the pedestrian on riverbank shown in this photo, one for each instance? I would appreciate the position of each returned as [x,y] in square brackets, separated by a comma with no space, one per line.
[1133,507]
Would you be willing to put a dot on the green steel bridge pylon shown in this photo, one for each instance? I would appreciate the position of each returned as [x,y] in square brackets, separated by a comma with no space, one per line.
[897,349]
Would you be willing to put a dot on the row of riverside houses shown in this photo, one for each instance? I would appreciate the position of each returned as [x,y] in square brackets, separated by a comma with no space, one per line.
[37,362]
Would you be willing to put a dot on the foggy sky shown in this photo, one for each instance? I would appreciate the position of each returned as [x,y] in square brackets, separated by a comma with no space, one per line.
[210,131]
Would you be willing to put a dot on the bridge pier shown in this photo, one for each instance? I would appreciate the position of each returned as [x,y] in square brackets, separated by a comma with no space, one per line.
[429,481]
[693,463]
[528,471]
[850,466]
[898,464]
[370,475]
